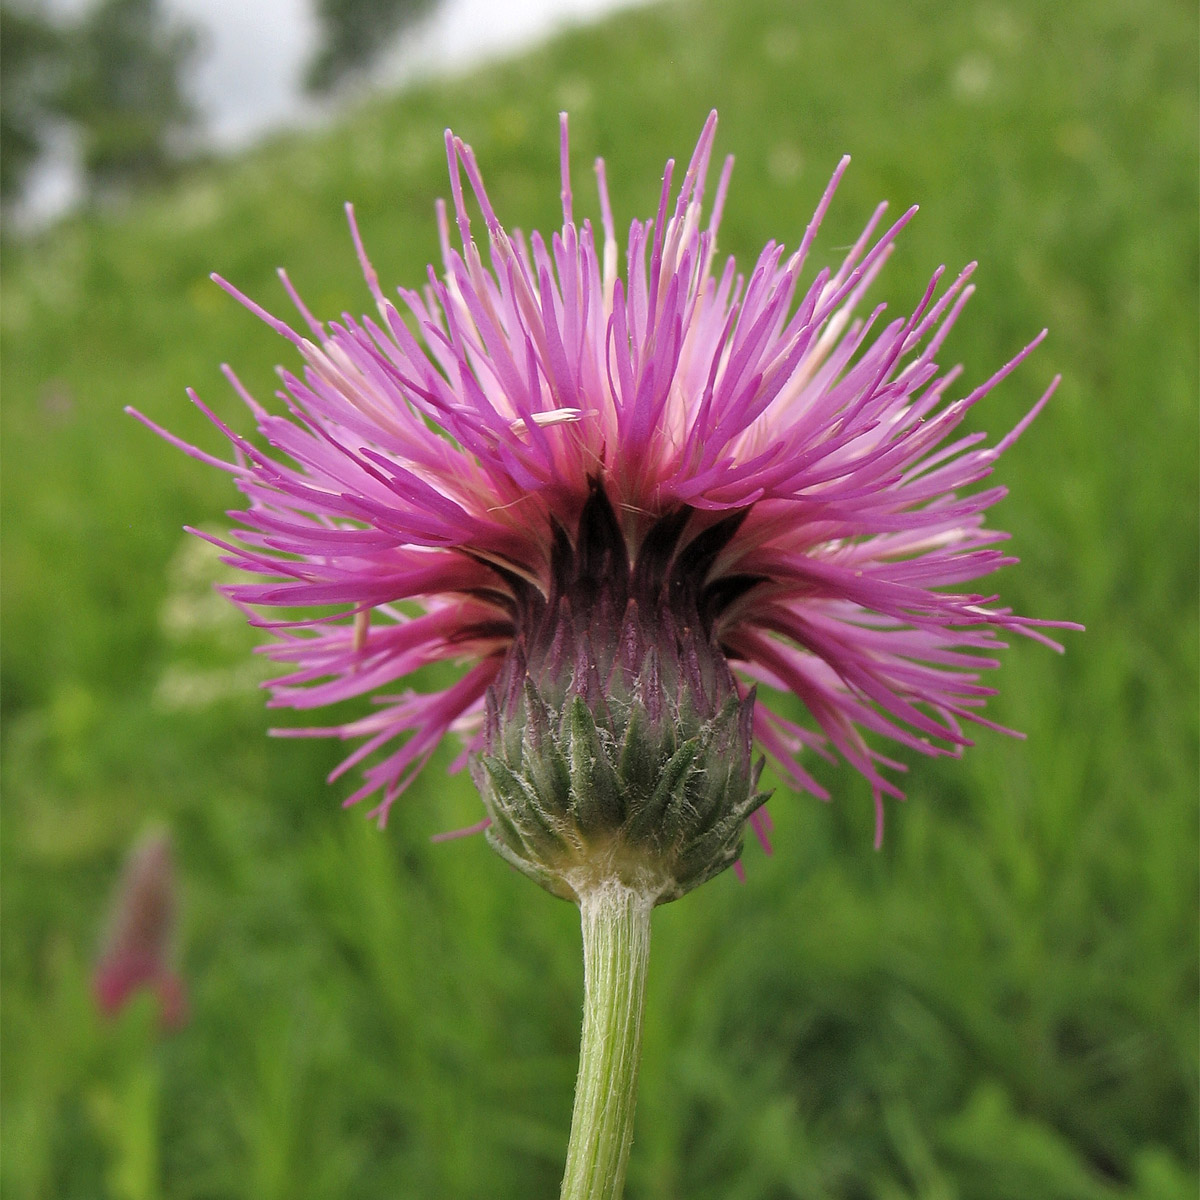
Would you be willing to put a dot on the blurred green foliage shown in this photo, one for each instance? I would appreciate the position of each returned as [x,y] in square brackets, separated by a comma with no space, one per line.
[353,33]
[114,73]
[31,54]
[124,90]
[1001,1004]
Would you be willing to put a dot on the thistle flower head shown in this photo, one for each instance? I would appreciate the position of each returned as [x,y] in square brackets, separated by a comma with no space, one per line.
[630,493]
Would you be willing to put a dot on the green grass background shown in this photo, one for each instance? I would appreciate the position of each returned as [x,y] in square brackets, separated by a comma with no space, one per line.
[1000,1005]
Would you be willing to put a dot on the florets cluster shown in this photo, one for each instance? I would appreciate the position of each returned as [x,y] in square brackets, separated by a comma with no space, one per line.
[622,499]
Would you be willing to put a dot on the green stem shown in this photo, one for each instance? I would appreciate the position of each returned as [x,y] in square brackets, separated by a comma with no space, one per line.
[616,949]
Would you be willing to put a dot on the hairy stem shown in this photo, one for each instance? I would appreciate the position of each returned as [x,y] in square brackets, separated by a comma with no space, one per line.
[616,950]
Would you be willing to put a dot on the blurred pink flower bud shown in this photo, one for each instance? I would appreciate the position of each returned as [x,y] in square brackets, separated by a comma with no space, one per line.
[138,942]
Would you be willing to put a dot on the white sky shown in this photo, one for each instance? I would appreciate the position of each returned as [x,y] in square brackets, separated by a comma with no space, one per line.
[249,78]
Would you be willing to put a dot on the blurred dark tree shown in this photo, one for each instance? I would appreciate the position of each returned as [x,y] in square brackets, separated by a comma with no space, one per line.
[32,51]
[353,33]
[124,90]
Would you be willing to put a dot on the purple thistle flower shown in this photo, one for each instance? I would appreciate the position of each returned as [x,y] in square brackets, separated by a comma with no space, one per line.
[600,483]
